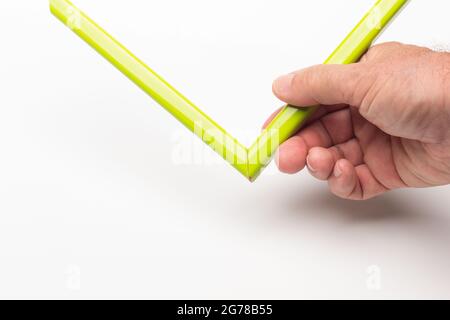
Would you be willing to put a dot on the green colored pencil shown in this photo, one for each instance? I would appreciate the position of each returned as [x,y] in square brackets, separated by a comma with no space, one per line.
[248,161]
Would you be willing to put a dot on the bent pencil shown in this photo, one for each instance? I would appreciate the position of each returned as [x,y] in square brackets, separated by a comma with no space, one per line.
[248,161]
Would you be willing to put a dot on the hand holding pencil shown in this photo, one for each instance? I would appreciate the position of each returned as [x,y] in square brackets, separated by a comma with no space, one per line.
[384,122]
[248,161]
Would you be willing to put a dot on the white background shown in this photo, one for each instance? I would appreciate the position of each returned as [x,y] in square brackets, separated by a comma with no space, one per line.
[94,202]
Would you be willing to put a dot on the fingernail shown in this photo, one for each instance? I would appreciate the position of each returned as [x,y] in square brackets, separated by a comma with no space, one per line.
[308,163]
[337,171]
[283,84]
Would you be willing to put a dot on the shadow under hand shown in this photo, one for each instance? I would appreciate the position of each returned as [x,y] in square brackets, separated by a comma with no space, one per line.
[404,221]
[391,207]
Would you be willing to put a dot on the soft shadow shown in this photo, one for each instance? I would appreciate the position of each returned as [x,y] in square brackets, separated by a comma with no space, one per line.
[405,214]
[392,207]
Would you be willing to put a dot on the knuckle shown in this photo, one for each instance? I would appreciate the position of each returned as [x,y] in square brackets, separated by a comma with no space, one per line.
[387,46]
[379,51]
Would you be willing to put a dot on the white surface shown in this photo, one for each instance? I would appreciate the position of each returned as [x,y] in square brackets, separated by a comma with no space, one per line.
[95,204]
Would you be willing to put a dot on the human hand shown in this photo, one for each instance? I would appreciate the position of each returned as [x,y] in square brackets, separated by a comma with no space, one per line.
[384,122]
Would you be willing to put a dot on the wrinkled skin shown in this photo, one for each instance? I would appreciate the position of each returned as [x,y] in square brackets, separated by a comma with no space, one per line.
[384,122]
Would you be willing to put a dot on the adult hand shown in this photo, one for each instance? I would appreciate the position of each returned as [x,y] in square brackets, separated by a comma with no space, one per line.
[384,122]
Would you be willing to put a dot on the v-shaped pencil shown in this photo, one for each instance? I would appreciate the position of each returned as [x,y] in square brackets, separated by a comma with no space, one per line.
[248,161]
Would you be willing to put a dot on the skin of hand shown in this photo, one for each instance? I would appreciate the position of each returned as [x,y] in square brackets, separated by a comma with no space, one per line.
[383,124]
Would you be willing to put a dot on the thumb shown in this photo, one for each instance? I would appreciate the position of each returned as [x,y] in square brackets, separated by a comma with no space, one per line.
[322,84]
